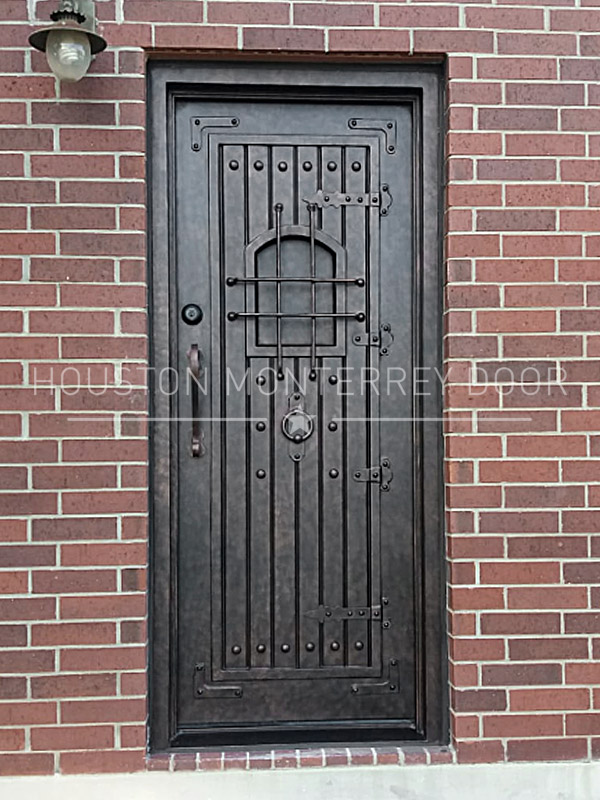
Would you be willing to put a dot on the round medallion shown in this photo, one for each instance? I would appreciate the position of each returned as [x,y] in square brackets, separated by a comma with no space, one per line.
[297,425]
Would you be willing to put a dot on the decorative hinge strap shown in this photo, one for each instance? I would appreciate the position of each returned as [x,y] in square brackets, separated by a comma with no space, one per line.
[383,340]
[339,613]
[334,199]
[382,475]
[206,691]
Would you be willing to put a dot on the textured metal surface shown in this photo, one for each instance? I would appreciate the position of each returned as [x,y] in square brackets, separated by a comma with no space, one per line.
[290,579]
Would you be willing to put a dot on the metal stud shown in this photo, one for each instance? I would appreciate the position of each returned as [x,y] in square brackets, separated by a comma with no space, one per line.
[261,380]
[260,648]
[282,166]
[232,316]
[333,473]
[358,645]
[333,379]
[360,317]
[258,165]
[260,473]
[389,125]
[310,646]
[236,649]
[356,166]
[260,426]
[307,166]
[285,648]
[335,645]
[231,281]
[333,426]
[360,282]
[331,166]
[312,375]
[233,164]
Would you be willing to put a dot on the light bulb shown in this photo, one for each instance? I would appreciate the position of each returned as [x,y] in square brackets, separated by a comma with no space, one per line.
[69,54]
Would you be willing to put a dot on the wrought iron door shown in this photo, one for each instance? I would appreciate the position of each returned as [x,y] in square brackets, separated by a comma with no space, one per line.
[296,571]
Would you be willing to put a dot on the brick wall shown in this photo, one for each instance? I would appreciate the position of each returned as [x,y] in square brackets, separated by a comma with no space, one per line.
[523,290]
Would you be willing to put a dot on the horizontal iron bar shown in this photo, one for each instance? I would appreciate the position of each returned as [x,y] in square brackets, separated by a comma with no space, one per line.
[357,281]
[232,315]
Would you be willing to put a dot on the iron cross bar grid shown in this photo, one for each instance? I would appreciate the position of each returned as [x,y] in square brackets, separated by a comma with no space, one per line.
[311,279]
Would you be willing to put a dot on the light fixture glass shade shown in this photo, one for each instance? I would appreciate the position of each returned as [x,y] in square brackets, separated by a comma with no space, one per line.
[69,54]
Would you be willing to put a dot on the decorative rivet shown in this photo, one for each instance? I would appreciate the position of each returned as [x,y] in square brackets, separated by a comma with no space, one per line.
[385,463]
[258,165]
[357,475]
[360,317]
[199,691]
[282,166]
[333,426]
[385,187]
[260,473]
[307,166]
[278,206]
[260,426]
[391,149]
[196,122]
[360,281]
[386,328]
[393,662]
[310,646]
[235,121]
[375,475]
[231,281]
[280,375]
[385,487]
[195,146]
[384,351]
[376,613]
[350,613]
[357,338]
[233,164]
[358,645]
[360,200]
[389,125]
[335,645]
[298,438]
[312,375]
[236,649]
[348,198]
[356,166]
[285,648]
[392,687]
[296,397]
[333,379]
[353,123]
[260,648]
[386,624]
[232,316]
[333,473]
[354,690]
[326,198]
[328,613]
[361,613]
[261,380]
[238,693]
[296,457]
[331,166]
[385,601]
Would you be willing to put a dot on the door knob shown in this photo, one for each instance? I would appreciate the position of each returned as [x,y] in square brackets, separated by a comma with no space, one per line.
[191,314]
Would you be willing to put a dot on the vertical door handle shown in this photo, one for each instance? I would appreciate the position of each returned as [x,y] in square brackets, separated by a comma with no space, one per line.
[195,369]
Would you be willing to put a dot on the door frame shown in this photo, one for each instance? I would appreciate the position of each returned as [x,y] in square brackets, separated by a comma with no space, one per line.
[423,83]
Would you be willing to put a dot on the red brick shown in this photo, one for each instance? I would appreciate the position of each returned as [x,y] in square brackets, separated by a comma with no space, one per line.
[108,607]
[520,624]
[532,725]
[102,761]
[480,752]
[547,750]
[560,597]
[98,684]
[73,581]
[377,41]
[77,738]
[547,649]
[27,764]
[66,529]
[107,658]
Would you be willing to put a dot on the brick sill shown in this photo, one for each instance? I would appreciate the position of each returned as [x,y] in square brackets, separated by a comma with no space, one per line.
[295,759]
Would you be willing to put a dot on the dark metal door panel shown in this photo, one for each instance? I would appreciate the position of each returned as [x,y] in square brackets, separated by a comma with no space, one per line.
[296,496]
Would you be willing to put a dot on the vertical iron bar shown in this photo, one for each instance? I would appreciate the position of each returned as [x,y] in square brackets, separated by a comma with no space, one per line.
[313,292]
[278,210]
